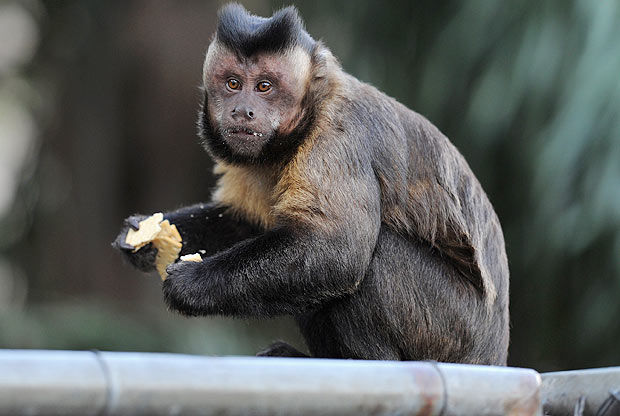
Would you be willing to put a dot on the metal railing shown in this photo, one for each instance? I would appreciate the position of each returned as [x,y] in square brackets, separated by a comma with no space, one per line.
[36,382]
[582,392]
[113,383]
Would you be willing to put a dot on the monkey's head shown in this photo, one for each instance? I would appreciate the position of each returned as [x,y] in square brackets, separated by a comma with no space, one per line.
[256,79]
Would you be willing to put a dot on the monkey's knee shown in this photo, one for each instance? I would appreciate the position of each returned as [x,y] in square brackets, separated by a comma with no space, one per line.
[281,349]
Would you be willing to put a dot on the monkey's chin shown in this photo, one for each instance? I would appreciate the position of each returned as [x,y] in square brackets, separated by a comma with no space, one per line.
[245,142]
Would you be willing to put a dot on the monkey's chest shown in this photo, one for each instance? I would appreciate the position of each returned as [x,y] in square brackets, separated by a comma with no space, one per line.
[248,191]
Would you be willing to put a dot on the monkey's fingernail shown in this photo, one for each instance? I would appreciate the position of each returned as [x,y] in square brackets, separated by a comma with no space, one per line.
[125,246]
[134,223]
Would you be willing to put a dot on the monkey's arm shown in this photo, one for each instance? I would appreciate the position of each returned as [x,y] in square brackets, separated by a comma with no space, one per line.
[284,271]
[209,227]
[318,254]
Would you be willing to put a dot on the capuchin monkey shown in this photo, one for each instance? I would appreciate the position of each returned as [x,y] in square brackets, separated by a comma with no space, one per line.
[335,204]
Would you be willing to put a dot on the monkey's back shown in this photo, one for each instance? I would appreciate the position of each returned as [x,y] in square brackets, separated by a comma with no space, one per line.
[439,274]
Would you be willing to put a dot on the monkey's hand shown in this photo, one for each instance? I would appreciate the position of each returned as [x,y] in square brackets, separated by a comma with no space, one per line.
[188,287]
[144,258]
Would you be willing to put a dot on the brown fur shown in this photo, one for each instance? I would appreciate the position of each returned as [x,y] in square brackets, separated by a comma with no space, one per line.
[374,232]
[432,208]
[248,191]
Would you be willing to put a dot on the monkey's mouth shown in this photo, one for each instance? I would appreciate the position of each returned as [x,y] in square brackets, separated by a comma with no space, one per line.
[245,141]
[240,131]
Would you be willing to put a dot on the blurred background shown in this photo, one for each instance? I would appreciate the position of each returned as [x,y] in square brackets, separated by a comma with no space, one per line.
[98,102]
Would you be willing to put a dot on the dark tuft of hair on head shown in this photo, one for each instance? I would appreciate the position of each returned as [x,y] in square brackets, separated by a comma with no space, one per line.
[247,34]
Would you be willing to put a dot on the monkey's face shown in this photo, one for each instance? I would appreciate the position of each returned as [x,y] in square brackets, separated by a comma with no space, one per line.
[250,101]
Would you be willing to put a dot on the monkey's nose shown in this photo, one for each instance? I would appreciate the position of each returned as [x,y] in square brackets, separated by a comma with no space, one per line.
[243,111]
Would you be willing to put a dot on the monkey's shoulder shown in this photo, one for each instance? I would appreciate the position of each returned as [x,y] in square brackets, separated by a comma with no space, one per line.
[363,111]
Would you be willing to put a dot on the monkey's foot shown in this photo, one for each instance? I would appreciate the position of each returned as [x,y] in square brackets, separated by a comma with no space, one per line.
[281,349]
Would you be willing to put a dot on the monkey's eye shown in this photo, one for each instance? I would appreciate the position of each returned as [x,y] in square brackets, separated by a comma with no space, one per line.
[233,84]
[263,86]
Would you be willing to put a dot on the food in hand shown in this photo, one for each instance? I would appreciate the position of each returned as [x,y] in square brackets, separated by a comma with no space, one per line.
[164,236]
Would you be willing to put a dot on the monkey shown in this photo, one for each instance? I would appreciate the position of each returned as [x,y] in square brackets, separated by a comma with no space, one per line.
[335,204]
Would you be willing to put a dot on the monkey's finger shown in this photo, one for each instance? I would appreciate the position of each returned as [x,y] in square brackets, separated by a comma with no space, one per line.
[125,246]
[143,259]
[133,222]
[120,244]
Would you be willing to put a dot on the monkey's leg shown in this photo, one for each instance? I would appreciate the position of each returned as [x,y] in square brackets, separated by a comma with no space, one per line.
[281,349]
[209,227]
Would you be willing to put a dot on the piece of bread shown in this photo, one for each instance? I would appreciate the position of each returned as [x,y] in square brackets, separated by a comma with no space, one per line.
[168,243]
[164,236]
[148,230]
[191,257]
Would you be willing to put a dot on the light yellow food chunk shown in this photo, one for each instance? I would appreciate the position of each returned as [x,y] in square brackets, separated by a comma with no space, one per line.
[148,230]
[168,243]
[164,236]
[191,257]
